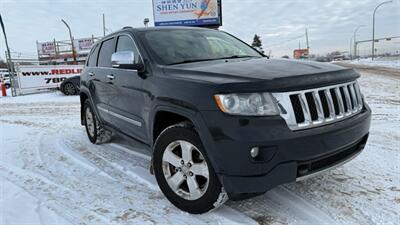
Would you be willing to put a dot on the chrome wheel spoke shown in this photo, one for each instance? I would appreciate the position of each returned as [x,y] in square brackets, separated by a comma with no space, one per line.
[171,158]
[175,181]
[194,189]
[200,169]
[186,150]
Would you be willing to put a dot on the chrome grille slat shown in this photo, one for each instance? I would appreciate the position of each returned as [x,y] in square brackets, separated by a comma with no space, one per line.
[306,109]
[340,102]
[320,110]
[334,99]
[347,97]
[359,97]
[330,105]
[353,97]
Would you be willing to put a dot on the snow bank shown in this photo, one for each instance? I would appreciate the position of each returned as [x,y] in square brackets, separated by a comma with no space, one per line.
[53,96]
[391,63]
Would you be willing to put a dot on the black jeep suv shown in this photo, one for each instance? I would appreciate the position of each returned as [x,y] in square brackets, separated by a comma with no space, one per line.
[220,119]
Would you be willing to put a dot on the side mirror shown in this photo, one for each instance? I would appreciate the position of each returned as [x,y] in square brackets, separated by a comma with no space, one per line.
[125,60]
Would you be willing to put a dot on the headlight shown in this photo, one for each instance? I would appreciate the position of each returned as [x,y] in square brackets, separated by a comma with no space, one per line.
[251,104]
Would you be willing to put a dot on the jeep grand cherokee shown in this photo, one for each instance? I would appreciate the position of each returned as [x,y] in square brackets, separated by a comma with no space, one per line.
[220,119]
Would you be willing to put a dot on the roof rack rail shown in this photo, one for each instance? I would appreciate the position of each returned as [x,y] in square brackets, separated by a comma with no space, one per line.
[127,27]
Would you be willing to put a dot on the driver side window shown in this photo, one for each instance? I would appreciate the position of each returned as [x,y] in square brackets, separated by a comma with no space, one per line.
[125,43]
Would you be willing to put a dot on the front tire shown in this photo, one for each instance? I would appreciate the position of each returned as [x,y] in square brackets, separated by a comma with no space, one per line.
[97,134]
[183,171]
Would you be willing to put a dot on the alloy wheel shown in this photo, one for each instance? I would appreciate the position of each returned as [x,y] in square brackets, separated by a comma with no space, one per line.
[185,170]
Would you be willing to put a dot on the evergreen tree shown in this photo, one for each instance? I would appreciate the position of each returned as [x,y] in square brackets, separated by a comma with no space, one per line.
[257,43]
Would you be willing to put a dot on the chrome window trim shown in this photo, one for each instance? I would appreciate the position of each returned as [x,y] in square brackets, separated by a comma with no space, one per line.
[284,102]
[129,120]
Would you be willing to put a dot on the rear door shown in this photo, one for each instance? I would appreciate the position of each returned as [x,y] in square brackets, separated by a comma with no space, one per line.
[103,86]
[127,104]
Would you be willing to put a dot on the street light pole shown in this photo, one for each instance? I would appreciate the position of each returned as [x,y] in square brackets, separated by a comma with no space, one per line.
[72,40]
[355,42]
[373,27]
[104,25]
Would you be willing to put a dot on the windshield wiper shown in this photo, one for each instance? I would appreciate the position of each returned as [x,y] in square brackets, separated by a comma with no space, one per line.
[201,60]
[236,57]
[188,61]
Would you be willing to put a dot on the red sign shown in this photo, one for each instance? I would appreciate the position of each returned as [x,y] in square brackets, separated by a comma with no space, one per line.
[300,53]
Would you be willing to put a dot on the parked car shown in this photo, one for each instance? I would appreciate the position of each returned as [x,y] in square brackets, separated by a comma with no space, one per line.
[71,85]
[220,121]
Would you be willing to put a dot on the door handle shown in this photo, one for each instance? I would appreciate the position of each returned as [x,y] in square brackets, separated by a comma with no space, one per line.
[110,77]
[91,74]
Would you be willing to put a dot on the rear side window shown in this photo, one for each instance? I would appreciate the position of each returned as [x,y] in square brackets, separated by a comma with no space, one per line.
[126,43]
[106,50]
[93,57]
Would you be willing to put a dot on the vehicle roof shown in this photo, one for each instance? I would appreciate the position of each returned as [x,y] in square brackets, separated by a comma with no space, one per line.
[143,29]
[163,28]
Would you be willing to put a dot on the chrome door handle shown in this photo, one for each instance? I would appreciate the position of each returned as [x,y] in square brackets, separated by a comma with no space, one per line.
[110,76]
[91,74]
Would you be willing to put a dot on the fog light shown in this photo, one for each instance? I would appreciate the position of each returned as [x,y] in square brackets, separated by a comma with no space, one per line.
[254,152]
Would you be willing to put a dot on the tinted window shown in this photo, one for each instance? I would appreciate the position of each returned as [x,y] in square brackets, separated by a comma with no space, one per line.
[105,53]
[126,43]
[92,61]
[175,46]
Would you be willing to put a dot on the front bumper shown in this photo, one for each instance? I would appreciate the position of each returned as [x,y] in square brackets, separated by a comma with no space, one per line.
[285,155]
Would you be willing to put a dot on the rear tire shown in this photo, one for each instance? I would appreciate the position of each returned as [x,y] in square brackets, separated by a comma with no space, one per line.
[97,134]
[183,171]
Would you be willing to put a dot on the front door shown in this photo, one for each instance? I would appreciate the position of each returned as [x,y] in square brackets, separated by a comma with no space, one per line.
[127,105]
[104,87]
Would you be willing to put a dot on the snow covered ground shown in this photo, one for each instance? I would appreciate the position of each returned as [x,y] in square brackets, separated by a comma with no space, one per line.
[383,62]
[51,174]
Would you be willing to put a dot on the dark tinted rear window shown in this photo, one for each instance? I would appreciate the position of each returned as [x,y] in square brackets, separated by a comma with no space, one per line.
[93,57]
[106,50]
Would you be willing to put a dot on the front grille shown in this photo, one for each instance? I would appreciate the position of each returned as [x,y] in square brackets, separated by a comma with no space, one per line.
[316,107]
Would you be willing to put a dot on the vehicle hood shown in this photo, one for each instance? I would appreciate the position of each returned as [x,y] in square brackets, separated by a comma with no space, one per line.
[263,73]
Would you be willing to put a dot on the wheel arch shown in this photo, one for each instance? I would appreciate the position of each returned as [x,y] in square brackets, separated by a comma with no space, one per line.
[164,117]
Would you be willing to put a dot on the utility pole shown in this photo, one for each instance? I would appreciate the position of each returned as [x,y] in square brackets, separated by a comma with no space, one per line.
[351,42]
[373,27]
[307,39]
[308,47]
[104,25]
[72,40]
[355,42]
[10,64]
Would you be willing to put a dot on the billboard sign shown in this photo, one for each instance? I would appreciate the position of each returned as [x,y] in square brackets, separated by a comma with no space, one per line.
[83,45]
[300,53]
[187,12]
[46,48]
[43,77]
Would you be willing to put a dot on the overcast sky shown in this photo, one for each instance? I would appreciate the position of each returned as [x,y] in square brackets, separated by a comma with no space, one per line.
[330,22]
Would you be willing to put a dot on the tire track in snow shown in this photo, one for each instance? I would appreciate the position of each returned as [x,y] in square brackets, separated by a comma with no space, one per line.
[135,165]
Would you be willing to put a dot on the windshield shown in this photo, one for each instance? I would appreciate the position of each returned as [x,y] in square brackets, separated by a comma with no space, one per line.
[183,46]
